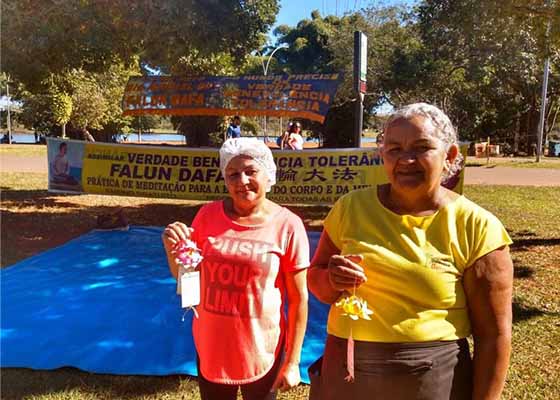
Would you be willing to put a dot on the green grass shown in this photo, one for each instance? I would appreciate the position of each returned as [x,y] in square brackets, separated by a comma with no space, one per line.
[523,210]
[545,163]
[16,181]
[23,150]
[531,215]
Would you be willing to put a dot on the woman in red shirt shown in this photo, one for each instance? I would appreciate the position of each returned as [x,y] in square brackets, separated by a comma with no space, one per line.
[255,256]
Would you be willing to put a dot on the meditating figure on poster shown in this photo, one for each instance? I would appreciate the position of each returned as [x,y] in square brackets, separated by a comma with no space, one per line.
[60,167]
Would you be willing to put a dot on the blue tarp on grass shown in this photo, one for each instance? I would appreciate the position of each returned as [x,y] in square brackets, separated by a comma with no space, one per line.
[105,303]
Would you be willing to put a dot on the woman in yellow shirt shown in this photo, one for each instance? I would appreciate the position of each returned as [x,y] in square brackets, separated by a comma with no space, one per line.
[434,268]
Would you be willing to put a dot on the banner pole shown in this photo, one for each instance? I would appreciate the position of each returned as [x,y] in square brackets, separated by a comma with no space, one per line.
[360,72]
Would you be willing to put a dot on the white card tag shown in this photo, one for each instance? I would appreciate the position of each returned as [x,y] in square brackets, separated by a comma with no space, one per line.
[189,289]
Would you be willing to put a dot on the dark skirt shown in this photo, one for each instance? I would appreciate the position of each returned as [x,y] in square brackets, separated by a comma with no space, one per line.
[428,370]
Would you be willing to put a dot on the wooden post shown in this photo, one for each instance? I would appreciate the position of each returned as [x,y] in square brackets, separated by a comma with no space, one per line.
[488,151]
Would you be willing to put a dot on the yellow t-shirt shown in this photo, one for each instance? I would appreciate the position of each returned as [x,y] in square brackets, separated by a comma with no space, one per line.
[414,266]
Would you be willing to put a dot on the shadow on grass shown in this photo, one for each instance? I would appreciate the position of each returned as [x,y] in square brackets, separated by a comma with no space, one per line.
[52,219]
[524,244]
[524,233]
[523,271]
[21,383]
[49,220]
[523,312]
[37,198]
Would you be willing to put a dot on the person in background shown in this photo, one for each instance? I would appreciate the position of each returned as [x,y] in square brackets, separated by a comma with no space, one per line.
[234,129]
[283,138]
[6,138]
[292,139]
[255,258]
[434,268]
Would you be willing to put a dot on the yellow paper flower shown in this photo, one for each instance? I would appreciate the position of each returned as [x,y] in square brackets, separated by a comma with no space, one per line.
[354,307]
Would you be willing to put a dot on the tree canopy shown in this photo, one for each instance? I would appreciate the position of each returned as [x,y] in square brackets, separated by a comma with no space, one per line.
[56,40]
[52,36]
[480,61]
[492,54]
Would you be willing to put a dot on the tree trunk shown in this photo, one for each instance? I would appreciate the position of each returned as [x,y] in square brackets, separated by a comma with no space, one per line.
[338,127]
[87,136]
[516,136]
[197,129]
[529,131]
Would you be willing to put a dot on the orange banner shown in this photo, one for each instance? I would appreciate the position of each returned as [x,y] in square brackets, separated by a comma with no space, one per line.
[306,96]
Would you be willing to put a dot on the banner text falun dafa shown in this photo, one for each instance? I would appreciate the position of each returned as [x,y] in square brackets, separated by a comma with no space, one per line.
[318,176]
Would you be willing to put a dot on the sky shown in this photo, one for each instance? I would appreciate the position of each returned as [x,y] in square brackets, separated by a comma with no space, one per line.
[293,11]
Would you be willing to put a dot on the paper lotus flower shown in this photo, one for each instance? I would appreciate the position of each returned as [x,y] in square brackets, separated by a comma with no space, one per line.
[354,307]
[187,253]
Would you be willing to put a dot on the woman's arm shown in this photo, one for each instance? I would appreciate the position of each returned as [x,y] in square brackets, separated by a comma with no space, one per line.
[330,273]
[318,275]
[488,286]
[296,288]
[283,142]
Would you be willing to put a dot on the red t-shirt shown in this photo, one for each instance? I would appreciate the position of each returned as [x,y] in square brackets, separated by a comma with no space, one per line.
[241,320]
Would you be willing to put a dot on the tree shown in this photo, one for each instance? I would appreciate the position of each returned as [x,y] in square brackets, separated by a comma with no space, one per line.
[81,100]
[145,123]
[37,113]
[326,45]
[499,53]
[40,38]
[52,37]
[61,108]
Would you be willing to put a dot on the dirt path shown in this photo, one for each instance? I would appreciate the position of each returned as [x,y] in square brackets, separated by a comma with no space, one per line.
[474,175]
[10,163]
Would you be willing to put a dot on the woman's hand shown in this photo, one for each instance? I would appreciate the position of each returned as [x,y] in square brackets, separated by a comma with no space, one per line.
[287,378]
[173,234]
[331,274]
[345,273]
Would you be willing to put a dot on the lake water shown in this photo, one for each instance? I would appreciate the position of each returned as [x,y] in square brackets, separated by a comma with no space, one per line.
[131,137]
[150,137]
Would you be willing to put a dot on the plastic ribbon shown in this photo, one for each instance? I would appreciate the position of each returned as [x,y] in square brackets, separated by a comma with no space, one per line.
[355,308]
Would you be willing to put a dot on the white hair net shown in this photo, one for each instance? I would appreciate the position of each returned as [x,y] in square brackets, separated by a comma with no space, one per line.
[250,147]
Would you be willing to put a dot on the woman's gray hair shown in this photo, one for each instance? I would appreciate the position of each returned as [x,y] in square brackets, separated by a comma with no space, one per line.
[442,129]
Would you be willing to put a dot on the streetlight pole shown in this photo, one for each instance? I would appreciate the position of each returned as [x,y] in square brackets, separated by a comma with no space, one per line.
[543,109]
[9,120]
[265,73]
[543,95]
